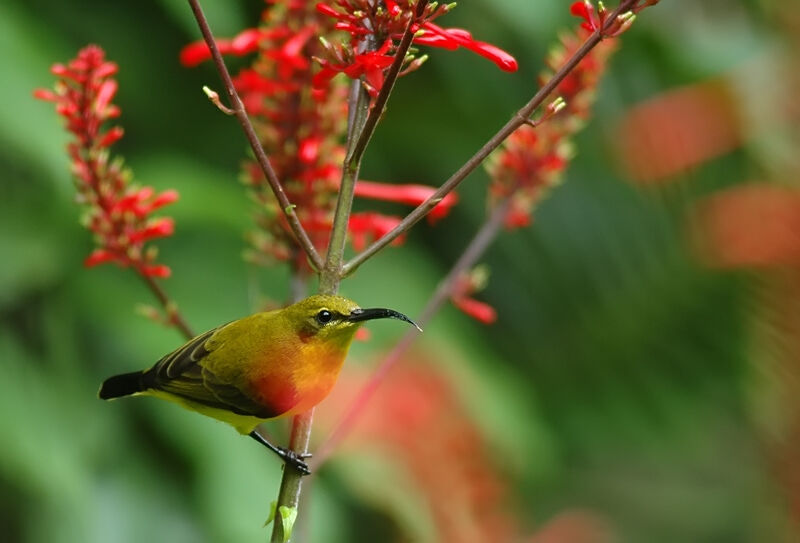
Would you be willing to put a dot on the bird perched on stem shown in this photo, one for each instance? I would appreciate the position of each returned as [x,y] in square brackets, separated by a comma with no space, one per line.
[267,365]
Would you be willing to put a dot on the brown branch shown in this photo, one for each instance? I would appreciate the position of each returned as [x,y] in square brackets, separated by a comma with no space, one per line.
[520,118]
[174,316]
[261,157]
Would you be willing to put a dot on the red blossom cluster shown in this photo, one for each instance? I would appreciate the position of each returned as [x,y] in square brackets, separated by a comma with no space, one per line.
[533,158]
[117,212]
[301,128]
[385,22]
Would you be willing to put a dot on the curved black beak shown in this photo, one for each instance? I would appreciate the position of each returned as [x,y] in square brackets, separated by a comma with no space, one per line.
[358,315]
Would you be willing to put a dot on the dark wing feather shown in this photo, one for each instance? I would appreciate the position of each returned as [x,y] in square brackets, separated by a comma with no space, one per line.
[183,374]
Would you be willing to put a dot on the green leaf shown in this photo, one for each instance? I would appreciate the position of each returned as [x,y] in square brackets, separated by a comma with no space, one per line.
[288,516]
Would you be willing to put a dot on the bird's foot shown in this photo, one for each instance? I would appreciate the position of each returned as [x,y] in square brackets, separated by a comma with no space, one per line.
[295,460]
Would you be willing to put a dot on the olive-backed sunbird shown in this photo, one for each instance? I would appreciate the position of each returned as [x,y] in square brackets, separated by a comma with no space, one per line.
[264,366]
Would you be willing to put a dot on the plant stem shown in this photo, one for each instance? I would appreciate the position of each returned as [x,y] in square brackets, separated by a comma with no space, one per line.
[174,316]
[362,123]
[261,157]
[292,481]
[330,276]
[483,238]
[332,272]
[520,118]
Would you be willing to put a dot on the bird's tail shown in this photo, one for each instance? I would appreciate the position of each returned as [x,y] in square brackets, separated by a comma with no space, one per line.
[122,385]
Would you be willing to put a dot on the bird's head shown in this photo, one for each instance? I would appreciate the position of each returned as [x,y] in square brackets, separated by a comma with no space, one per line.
[334,319]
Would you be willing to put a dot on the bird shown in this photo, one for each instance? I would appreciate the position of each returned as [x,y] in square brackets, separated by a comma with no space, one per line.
[267,365]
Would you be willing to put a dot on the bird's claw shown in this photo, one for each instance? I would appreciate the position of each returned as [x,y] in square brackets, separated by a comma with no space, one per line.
[296,460]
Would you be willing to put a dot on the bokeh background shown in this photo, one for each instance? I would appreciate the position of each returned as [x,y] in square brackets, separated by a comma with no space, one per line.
[640,383]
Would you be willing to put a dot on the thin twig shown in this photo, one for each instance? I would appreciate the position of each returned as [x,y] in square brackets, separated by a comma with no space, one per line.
[174,316]
[518,119]
[483,238]
[261,157]
[332,272]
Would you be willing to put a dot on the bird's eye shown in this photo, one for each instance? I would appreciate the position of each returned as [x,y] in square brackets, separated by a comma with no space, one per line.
[324,316]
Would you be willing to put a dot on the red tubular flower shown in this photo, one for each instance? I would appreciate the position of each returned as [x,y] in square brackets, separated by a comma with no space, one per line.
[371,226]
[116,212]
[406,194]
[463,290]
[242,44]
[480,311]
[452,38]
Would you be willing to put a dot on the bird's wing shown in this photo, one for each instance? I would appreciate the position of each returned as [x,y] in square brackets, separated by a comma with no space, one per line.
[182,373]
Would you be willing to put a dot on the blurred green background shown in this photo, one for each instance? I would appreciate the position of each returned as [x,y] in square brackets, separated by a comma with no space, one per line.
[622,379]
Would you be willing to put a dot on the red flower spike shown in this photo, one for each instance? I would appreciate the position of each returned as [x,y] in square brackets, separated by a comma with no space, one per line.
[532,160]
[116,213]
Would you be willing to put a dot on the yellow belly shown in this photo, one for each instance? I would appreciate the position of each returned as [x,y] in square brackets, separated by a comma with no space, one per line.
[244,424]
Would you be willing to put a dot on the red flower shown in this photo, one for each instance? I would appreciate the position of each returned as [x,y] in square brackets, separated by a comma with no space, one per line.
[406,194]
[242,44]
[466,286]
[387,23]
[371,65]
[370,225]
[116,212]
